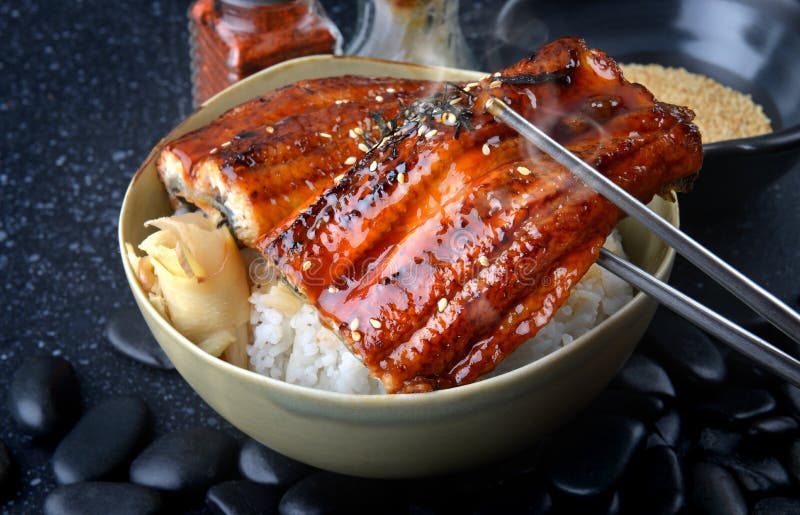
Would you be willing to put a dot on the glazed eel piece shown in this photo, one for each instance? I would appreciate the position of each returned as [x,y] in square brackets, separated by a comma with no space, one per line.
[453,241]
[261,160]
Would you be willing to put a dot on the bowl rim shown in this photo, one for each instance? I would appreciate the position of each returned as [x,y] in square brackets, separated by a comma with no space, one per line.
[535,371]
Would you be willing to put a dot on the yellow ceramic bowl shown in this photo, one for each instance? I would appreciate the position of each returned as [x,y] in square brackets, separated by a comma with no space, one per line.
[403,435]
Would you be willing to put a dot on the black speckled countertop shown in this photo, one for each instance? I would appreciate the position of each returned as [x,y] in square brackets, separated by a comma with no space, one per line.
[87,87]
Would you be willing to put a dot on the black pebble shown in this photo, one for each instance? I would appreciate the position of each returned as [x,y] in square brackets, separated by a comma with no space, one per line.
[719,441]
[794,460]
[735,404]
[792,395]
[6,469]
[44,397]
[327,493]
[243,497]
[656,483]
[771,426]
[715,492]
[589,456]
[105,498]
[777,506]
[128,333]
[759,474]
[644,375]
[102,442]
[669,428]
[686,351]
[263,465]
[186,462]
[521,494]
[627,403]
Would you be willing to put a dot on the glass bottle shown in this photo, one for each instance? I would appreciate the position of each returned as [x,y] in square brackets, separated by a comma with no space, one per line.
[418,31]
[231,39]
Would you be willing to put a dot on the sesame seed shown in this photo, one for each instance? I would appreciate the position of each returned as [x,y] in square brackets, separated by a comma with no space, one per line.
[401,178]
[496,74]
[269,129]
[375,323]
[325,135]
[363,147]
[523,170]
[213,150]
[431,133]
[495,84]
[306,265]
[359,131]
[350,160]
[442,304]
[483,260]
[389,125]
[379,98]
[354,324]
[450,118]
[373,166]
[352,134]
[355,335]
[489,103]
[422,130]
[472,85]
[486,77]
[338,177]
[455,101]
[391,90]
[333,289]
[486,149]
[226,144]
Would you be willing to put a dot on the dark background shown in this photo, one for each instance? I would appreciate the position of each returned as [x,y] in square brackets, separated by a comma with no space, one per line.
[86,89]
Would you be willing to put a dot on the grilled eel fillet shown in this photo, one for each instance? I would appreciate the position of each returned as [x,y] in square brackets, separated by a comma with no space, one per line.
[261,160]
[452,242]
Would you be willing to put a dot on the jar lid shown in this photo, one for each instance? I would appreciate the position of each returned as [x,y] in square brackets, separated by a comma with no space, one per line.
[251,3]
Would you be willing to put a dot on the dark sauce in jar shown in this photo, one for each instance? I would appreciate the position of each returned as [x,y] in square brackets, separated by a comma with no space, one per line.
[231,39]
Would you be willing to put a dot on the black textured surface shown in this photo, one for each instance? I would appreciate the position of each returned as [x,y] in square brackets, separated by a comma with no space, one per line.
[88,87]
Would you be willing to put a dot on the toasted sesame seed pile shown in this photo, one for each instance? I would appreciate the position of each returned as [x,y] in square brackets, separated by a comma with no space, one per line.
[722,113]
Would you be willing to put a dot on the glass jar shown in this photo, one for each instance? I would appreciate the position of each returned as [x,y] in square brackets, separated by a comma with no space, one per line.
[231,39]
[417,31]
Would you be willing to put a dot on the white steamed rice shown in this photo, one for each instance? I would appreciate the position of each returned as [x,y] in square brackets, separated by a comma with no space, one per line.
[290,343]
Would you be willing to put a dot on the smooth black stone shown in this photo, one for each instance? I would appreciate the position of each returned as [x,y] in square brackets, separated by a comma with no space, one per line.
[644,375]
[735,404]
[187,461]
[715,492]
[243,497]
[655,483]
[525,494]
[772,426]
[628,404]
[263,465]
[719,441]
[105,498]
[589,456]
[334,494]
[792,396]
[44,397]
[762,474]
[686,351]
[128,333]
[103,441]
[669,428]
[777,506]
[6,469]
[794,460]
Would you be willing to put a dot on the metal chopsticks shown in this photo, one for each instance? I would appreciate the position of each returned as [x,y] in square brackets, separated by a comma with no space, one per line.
[741,340]
[760,300]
